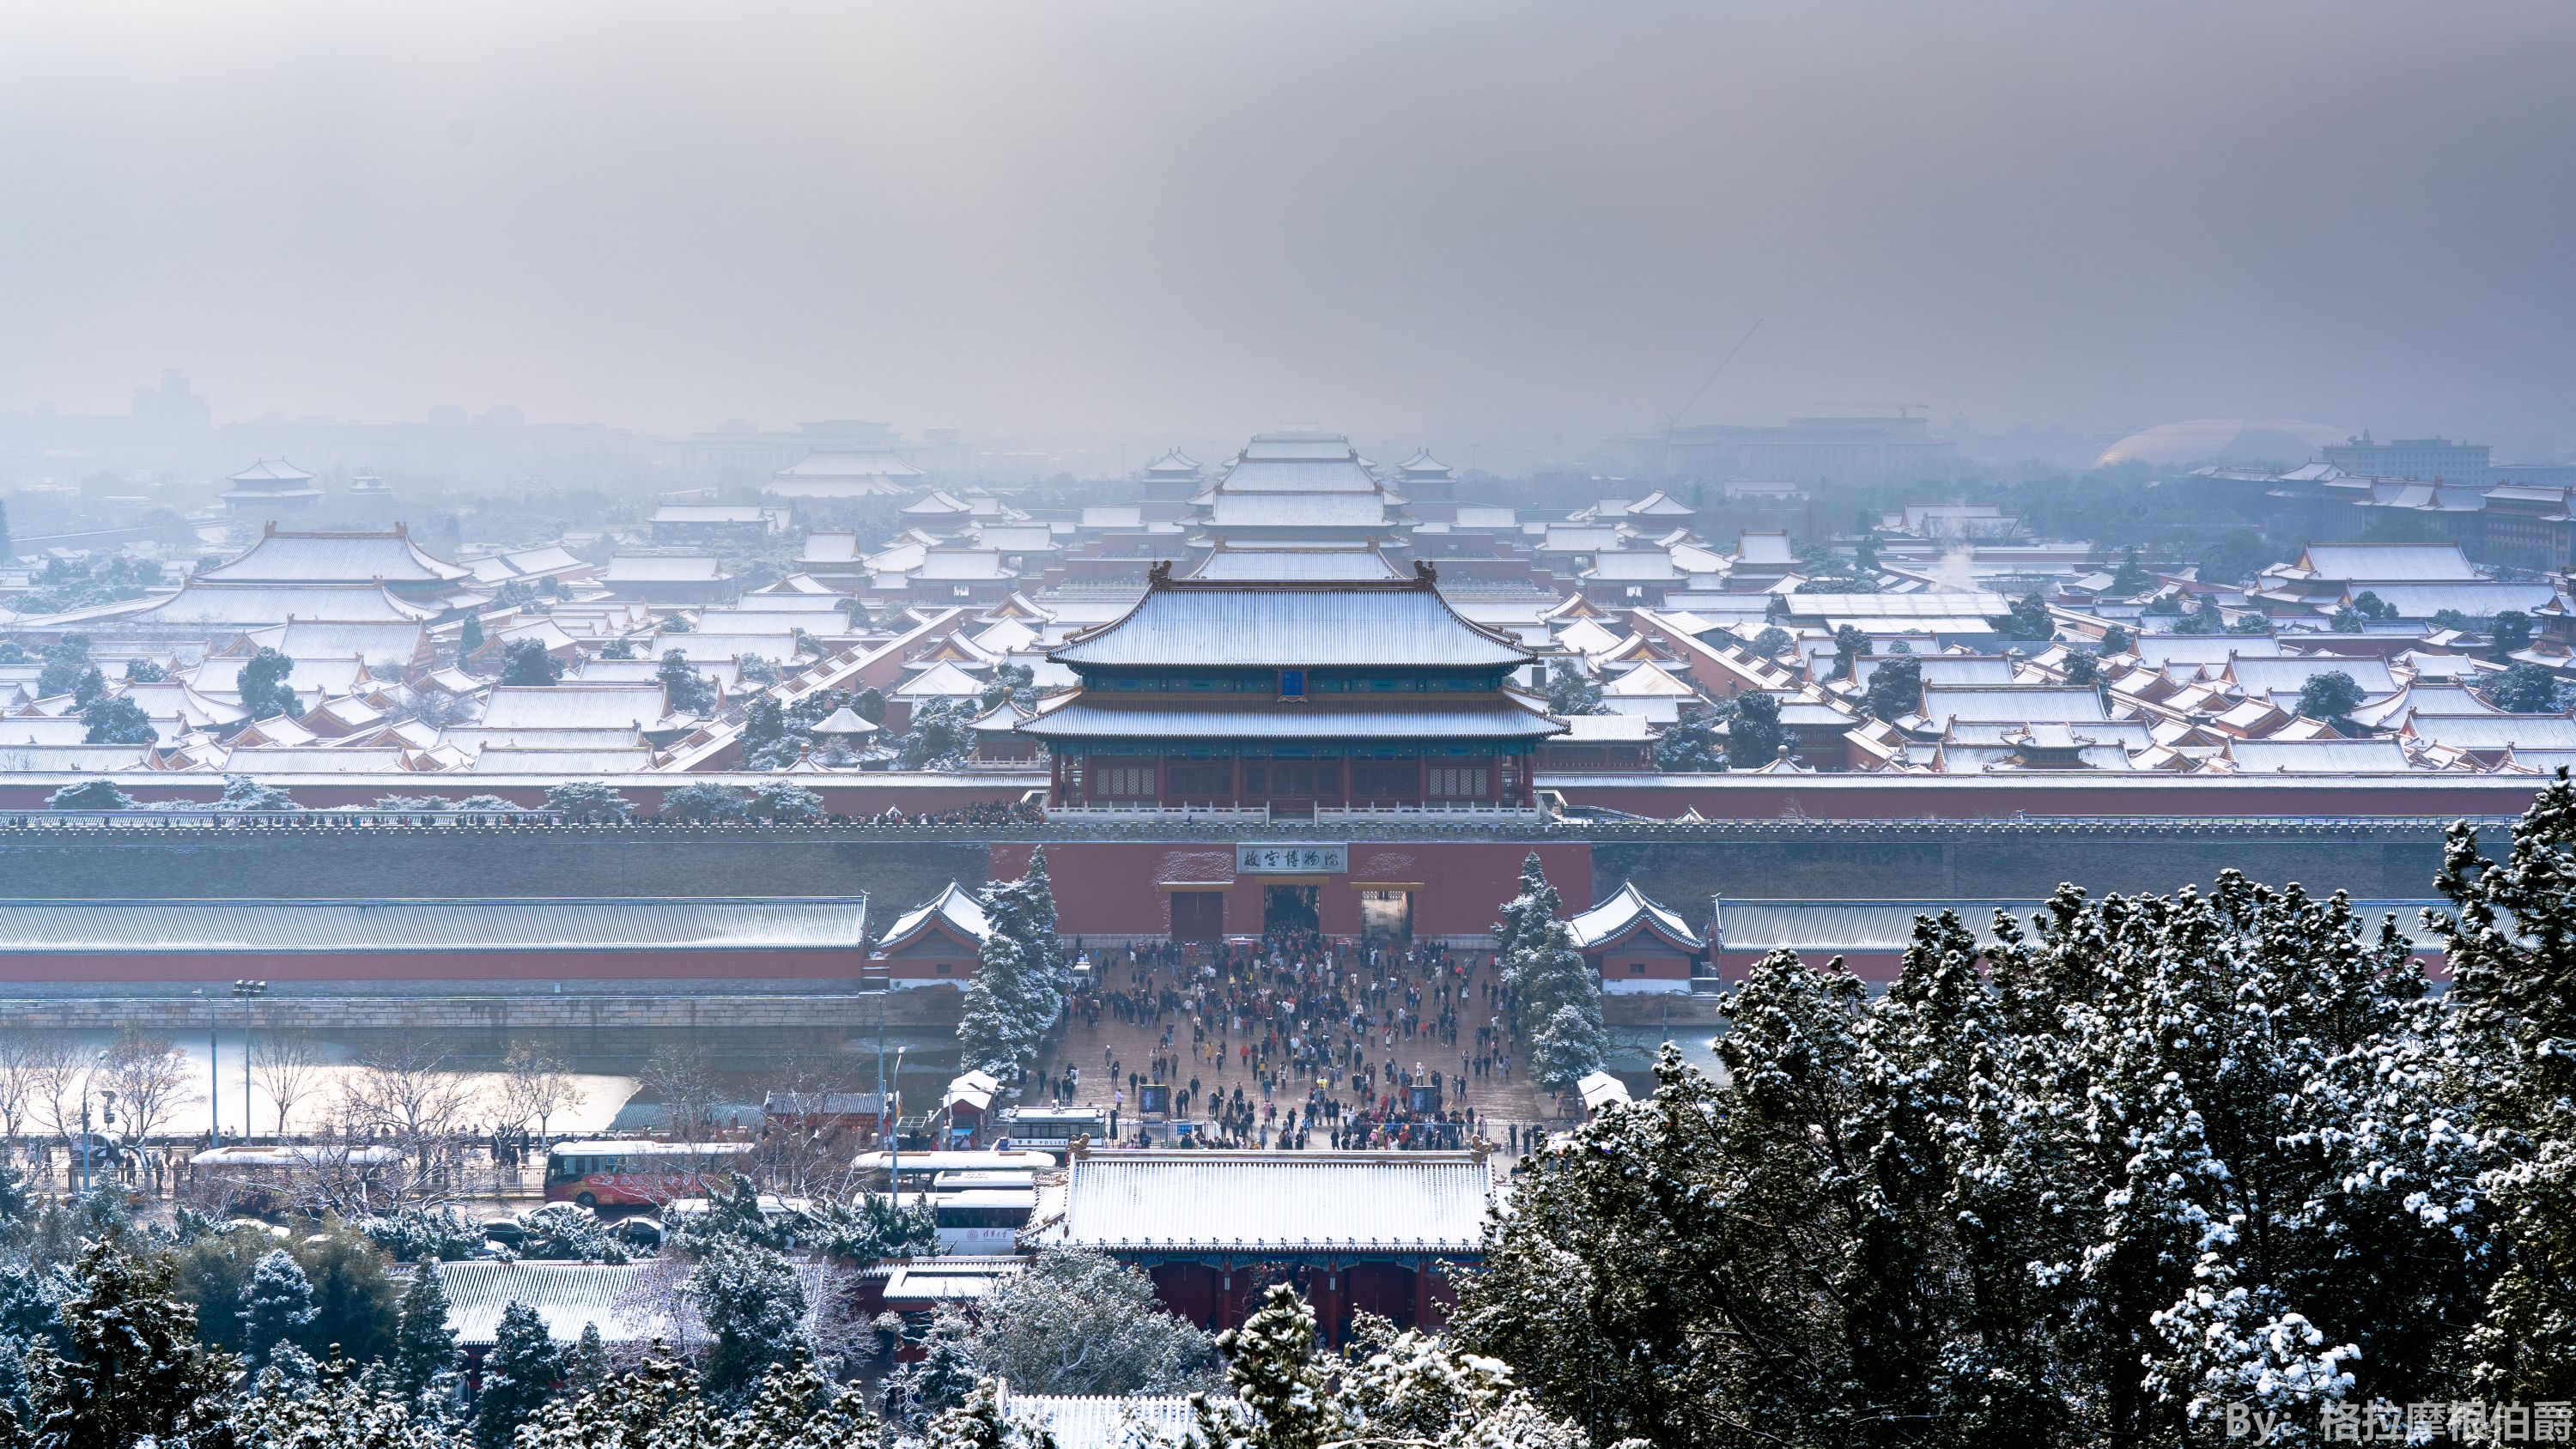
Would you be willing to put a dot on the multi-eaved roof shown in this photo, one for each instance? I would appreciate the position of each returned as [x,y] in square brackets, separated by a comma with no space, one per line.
[1270,625]
[334,558]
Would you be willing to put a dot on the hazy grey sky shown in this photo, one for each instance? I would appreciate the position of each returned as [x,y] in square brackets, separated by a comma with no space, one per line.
[1434,219]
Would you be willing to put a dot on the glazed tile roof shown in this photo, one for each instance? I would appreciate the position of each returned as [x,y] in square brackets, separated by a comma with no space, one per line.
[1606,920]
[326,558]
[1288,626]
[1092,716]
[431,926]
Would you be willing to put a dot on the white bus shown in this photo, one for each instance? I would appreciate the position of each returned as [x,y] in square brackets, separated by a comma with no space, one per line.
[983,1221]
[920,1169]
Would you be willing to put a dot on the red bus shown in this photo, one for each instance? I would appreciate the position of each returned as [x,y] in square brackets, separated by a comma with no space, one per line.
[639,1174]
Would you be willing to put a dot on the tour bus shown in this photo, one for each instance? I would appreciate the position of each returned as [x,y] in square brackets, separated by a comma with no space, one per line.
[983,1221]
[639,1174]
[1050,1127]
[921,1169]
[271,1179]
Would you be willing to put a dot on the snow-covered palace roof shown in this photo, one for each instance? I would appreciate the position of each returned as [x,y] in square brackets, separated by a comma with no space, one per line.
[1629,909]
[1275,1202]
[956,907]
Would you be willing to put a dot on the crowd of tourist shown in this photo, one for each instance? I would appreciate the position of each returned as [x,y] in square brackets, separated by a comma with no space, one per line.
[1297,1041]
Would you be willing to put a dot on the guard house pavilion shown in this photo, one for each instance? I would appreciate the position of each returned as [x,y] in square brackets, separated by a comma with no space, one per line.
[1291,697]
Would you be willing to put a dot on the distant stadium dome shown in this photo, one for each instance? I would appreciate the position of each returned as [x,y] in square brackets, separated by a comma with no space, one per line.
[2223,440]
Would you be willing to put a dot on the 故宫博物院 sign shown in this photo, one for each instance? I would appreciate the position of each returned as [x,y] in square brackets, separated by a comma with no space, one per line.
[1296,859]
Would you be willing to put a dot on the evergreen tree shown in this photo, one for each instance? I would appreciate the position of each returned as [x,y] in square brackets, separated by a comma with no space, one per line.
[2117,640]
[2511,940]
[469,637]
[1558,997]
[1895,688]
[336,1410]
[264,687]
[276,1307]
[979,1423]
[705,803]
[133,1372]
[684,690]
[66,661]
[525,661]
[2509,633]
[2522,689]
[424,1350]
[1020,976]
[586,1362]
[519,1376]
[1753,738]
[1526,916]
[1080,1323]
[589,802]
[117,721]
[767,743]
[942,1378]
[1690,746]
[243,793]
[754,1309]
[1850,647]
[1571,690]
[2030,619]
[783,800]
[1270,1361]
[2330,695]
[2213,1135]
[90,795]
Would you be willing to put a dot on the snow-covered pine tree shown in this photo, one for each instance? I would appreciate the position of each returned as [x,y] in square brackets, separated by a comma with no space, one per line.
[1524,914]
[338,1410]
[1416,1389]
[277,1303]
[1271,1363]
[659,1406]
[1080,1323]
[424,1348]
[134,1372]
[753,1308]
[586,1362]
[519,1375]
[941,1378]
[1019,984]
[979,1423]
[2511,940]
[1557,995]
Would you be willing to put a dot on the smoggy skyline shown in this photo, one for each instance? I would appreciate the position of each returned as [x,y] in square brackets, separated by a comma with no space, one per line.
[1453,220]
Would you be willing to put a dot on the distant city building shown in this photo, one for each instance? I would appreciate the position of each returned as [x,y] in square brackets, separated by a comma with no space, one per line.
[2425,458]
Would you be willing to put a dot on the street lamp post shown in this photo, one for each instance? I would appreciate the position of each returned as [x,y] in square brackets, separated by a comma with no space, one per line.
[247,992]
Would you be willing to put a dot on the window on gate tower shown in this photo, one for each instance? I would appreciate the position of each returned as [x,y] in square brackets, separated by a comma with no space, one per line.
[1122,782]
[1457,782]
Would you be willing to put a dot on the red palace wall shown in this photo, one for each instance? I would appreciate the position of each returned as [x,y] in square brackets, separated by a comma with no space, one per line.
[1122,888]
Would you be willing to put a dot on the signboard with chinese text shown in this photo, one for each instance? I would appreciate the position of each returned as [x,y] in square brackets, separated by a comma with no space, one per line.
[1296,859]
